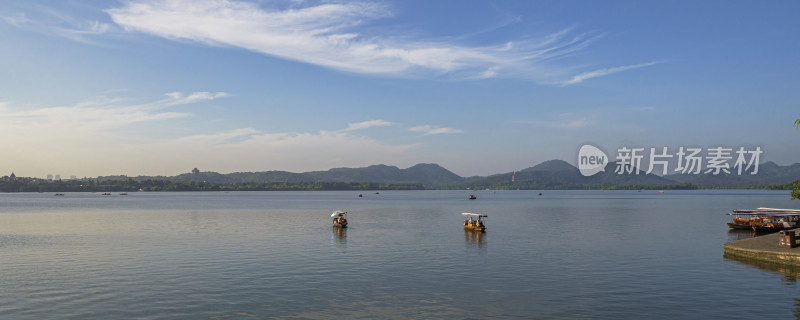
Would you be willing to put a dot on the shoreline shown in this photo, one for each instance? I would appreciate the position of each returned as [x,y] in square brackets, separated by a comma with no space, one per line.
[765,249]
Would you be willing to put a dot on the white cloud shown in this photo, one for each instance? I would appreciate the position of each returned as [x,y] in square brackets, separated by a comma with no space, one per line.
[48,20]
[95,27]
[602,72]
[327,35]
[489,73]
[367,124]
[87,120]
[17,20]
[431,130]
[177,98]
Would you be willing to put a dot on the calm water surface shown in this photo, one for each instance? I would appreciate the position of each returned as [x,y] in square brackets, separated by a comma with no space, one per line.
[274,255]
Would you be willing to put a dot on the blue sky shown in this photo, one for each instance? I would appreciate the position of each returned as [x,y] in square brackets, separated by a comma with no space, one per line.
[159,87]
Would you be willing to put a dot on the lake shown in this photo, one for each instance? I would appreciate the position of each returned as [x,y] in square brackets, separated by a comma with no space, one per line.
[274,255]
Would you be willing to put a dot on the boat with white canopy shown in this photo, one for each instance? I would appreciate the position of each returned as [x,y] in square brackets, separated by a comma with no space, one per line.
[474,223]
[765,219]
[339,219]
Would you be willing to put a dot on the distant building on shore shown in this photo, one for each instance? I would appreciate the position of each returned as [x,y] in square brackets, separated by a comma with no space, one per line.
[195,171]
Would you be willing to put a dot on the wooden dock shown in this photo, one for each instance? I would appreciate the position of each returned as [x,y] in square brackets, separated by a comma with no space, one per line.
[764,248]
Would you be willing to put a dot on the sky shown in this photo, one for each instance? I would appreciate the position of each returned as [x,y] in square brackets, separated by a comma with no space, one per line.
[152,87]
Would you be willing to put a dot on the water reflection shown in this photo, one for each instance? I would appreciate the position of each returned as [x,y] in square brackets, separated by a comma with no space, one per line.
[741,234]
[475,239]
[339,236]
[402,306]
[796,310]
[788,273]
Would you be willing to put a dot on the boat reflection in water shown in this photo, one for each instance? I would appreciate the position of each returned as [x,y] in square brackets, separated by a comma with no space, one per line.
[741,234]
[474,239]
[339,236]
[788,273]
[476,244]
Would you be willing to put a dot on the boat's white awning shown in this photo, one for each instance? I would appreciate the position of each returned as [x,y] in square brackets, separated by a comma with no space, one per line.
[337,213]
[473,214]
[772,212]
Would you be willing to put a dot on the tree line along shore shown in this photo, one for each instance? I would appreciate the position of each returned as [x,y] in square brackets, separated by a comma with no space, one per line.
[131,185]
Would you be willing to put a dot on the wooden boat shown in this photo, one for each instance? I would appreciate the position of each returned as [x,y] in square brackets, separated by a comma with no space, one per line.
[765,219]
[473,223]
[339,219]
[472,197]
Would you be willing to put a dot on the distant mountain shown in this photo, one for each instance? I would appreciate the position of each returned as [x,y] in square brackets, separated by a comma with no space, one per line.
[432,174]
[427,174]
[559,174]
[552,166]
[552,174]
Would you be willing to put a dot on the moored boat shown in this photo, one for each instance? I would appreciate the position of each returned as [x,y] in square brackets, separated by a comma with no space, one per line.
[339,219]
[474,223]
[765,219]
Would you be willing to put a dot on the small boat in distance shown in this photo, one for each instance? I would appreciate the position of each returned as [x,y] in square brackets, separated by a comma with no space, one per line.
[59,194]
[765,219]
[339,219]
[474,224]
[472,197]
[106,194]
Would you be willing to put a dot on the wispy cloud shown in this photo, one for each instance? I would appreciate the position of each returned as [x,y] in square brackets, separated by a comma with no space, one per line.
[328,35]
[430,130]
[367,124]
[602,72]
[177,98]
[90,118]
[48,20]
[112,135]
[17,20]
[94,27]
